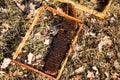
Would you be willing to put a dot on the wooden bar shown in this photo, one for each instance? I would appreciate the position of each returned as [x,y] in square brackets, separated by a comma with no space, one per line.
[21,45]
[32,69]
[61,14]
[86,9]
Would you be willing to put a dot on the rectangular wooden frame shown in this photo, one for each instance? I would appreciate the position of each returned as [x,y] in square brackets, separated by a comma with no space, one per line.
[21,45]
[102,14]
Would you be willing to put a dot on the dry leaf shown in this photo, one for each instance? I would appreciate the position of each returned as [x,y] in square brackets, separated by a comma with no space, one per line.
[32,6]
[2,10]
[107,74]
[115,75]
[5,27]
[90,34]
[47,41]
[93,20]
[30,57]
[2,73]
[37,36]
[18,3]
[5,63]
[76,47]
[77,77]
[116,64]
[93,1]
[104,41]
[95,68]
[90,74]
[38,56]
[18,73]
[80,69]
[112,20]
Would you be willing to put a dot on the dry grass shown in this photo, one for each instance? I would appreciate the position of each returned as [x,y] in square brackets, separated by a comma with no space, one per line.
[87,60]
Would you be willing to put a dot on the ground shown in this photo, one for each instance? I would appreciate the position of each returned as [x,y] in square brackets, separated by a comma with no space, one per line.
[96,54]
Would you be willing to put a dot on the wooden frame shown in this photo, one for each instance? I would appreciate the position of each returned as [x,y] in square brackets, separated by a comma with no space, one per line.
[102,14]
[21,45]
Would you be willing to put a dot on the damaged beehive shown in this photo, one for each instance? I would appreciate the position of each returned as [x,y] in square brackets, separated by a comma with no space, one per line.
[61,43]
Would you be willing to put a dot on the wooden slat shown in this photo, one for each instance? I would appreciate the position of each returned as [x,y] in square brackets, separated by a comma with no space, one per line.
[21,45]
[86,9]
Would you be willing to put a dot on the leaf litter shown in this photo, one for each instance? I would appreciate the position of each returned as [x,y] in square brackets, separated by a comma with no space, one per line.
[96,54]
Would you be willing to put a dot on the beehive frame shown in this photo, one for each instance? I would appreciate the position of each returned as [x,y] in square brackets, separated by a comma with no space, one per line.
[21,45]
[102,14]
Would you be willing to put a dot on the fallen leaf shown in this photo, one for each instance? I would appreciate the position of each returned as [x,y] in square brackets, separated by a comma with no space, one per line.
[93,1]
[116,64]
[37,36]
[22,7]
[80,69]
[90,74]
[77,77]
[90,34]
[32,6]
[76,47]
[18,73]
[2,10]
[5,27]
[107,74]
[115,76]
[30,57]
[5,63]
[104,41]
[38,56]
[112,20]
[95,68]
[2,73]
[47,41]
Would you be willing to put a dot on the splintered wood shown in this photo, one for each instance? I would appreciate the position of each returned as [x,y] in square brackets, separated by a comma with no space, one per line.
[63,41]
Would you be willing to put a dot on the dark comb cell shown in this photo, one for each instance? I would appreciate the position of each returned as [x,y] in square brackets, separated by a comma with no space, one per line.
[61,43]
